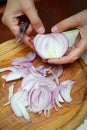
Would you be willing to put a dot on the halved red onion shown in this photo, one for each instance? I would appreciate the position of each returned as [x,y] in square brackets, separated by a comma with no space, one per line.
[52,45]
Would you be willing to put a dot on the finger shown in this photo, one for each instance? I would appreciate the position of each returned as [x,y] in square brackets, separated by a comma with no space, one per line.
[33,16]
[77,40]
[66,24]
[29,29]
[63,60]
[12,23]
[27,40]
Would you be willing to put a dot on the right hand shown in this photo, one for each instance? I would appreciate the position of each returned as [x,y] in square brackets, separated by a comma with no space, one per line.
[16,8]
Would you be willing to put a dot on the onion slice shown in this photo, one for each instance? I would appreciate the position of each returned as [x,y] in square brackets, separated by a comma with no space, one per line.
[39,99]
[66,89]
[23,61]
[18,104]
[62,93]
[40,89]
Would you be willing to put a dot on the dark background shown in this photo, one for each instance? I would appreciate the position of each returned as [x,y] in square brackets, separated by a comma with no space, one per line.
[50,11]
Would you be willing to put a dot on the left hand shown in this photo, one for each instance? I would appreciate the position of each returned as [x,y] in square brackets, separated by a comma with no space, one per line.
[79,21]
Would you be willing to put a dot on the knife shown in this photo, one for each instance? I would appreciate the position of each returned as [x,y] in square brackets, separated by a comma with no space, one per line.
[23,24]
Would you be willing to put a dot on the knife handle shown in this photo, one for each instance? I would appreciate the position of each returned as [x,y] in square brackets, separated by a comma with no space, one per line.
[23,23]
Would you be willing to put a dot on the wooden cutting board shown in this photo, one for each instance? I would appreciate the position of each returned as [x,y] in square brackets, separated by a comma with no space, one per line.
[60,119]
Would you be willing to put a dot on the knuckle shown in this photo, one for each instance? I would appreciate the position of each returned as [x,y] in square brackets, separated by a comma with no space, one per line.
[72,59]
[3,19]
[36,23]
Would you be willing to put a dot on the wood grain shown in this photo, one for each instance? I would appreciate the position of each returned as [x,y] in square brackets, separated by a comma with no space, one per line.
[8,121]
[82,113]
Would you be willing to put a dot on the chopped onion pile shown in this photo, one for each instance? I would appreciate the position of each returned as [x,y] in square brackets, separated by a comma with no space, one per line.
[52,45]
[40,89]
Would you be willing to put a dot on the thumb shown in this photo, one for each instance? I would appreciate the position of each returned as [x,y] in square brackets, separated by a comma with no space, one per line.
[66,24]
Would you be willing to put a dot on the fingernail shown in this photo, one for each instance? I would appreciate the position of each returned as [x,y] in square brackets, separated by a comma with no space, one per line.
[54,29]
[41,30]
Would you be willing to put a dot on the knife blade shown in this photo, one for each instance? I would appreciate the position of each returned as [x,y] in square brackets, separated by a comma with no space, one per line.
[23,24]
